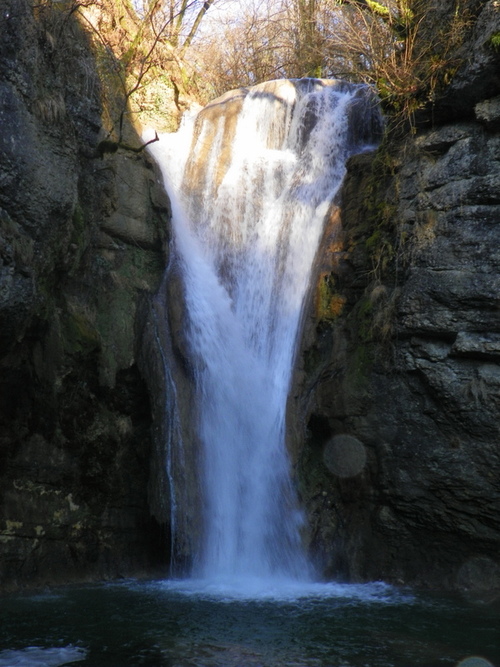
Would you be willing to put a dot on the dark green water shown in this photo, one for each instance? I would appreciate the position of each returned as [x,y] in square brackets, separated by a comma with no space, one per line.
[183,625]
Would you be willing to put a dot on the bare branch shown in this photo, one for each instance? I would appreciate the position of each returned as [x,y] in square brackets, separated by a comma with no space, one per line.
[107,146]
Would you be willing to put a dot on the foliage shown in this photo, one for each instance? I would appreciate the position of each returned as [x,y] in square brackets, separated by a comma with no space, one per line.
[406,49]
[329,303]
[495,41]
[243,49]
[139,48]
[405,54]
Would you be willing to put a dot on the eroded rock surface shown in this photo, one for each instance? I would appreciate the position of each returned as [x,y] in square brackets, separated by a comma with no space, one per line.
[401,352]
[81,240]
[407,363]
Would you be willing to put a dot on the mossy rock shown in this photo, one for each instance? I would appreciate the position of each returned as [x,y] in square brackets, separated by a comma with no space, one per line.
[494,41]
[329,304]
[79,334]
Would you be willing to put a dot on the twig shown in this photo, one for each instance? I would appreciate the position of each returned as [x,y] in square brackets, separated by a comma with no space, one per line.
[107,146]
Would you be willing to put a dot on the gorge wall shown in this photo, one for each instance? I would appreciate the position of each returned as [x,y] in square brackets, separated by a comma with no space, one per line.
[398,370]
[399,377]
[82,244]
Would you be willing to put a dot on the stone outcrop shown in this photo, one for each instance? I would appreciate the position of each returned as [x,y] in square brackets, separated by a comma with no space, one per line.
[479,77]
[400,366]
[82,241]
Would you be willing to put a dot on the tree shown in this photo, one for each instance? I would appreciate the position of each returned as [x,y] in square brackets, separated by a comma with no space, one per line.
[140,49]
[244,48]
[176,21]
[398,46]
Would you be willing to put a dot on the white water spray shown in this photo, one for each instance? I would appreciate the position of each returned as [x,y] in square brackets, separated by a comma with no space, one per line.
[251,181]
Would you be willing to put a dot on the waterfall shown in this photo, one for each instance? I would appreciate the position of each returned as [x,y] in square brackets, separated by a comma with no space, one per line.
[251,179]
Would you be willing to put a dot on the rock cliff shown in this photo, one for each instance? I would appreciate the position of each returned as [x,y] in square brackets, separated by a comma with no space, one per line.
[395,406]
[82,242]
[399,377]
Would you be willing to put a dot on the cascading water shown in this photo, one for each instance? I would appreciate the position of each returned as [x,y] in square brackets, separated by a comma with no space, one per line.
[248,219]
[251,180]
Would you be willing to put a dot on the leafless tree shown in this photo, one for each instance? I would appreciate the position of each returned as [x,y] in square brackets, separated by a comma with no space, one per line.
[396,45]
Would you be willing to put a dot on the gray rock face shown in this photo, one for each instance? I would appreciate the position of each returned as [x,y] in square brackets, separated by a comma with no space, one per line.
[409,367]
[81,243]
[488,113]
[479,76]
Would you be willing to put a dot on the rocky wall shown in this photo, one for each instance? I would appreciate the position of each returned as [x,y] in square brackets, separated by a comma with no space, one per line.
[82,243]
[397,393]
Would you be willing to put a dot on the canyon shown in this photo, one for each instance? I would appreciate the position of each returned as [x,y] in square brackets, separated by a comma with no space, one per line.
[397,368]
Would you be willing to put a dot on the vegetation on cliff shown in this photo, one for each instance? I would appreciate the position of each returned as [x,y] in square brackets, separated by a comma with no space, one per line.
[165,54]
[82,240]
[408,50]
[409,364]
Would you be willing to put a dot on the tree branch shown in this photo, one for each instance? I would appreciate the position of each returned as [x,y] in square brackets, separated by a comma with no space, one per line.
[107,146]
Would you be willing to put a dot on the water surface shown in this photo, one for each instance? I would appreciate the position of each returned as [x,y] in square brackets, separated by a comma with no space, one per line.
[196,624]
